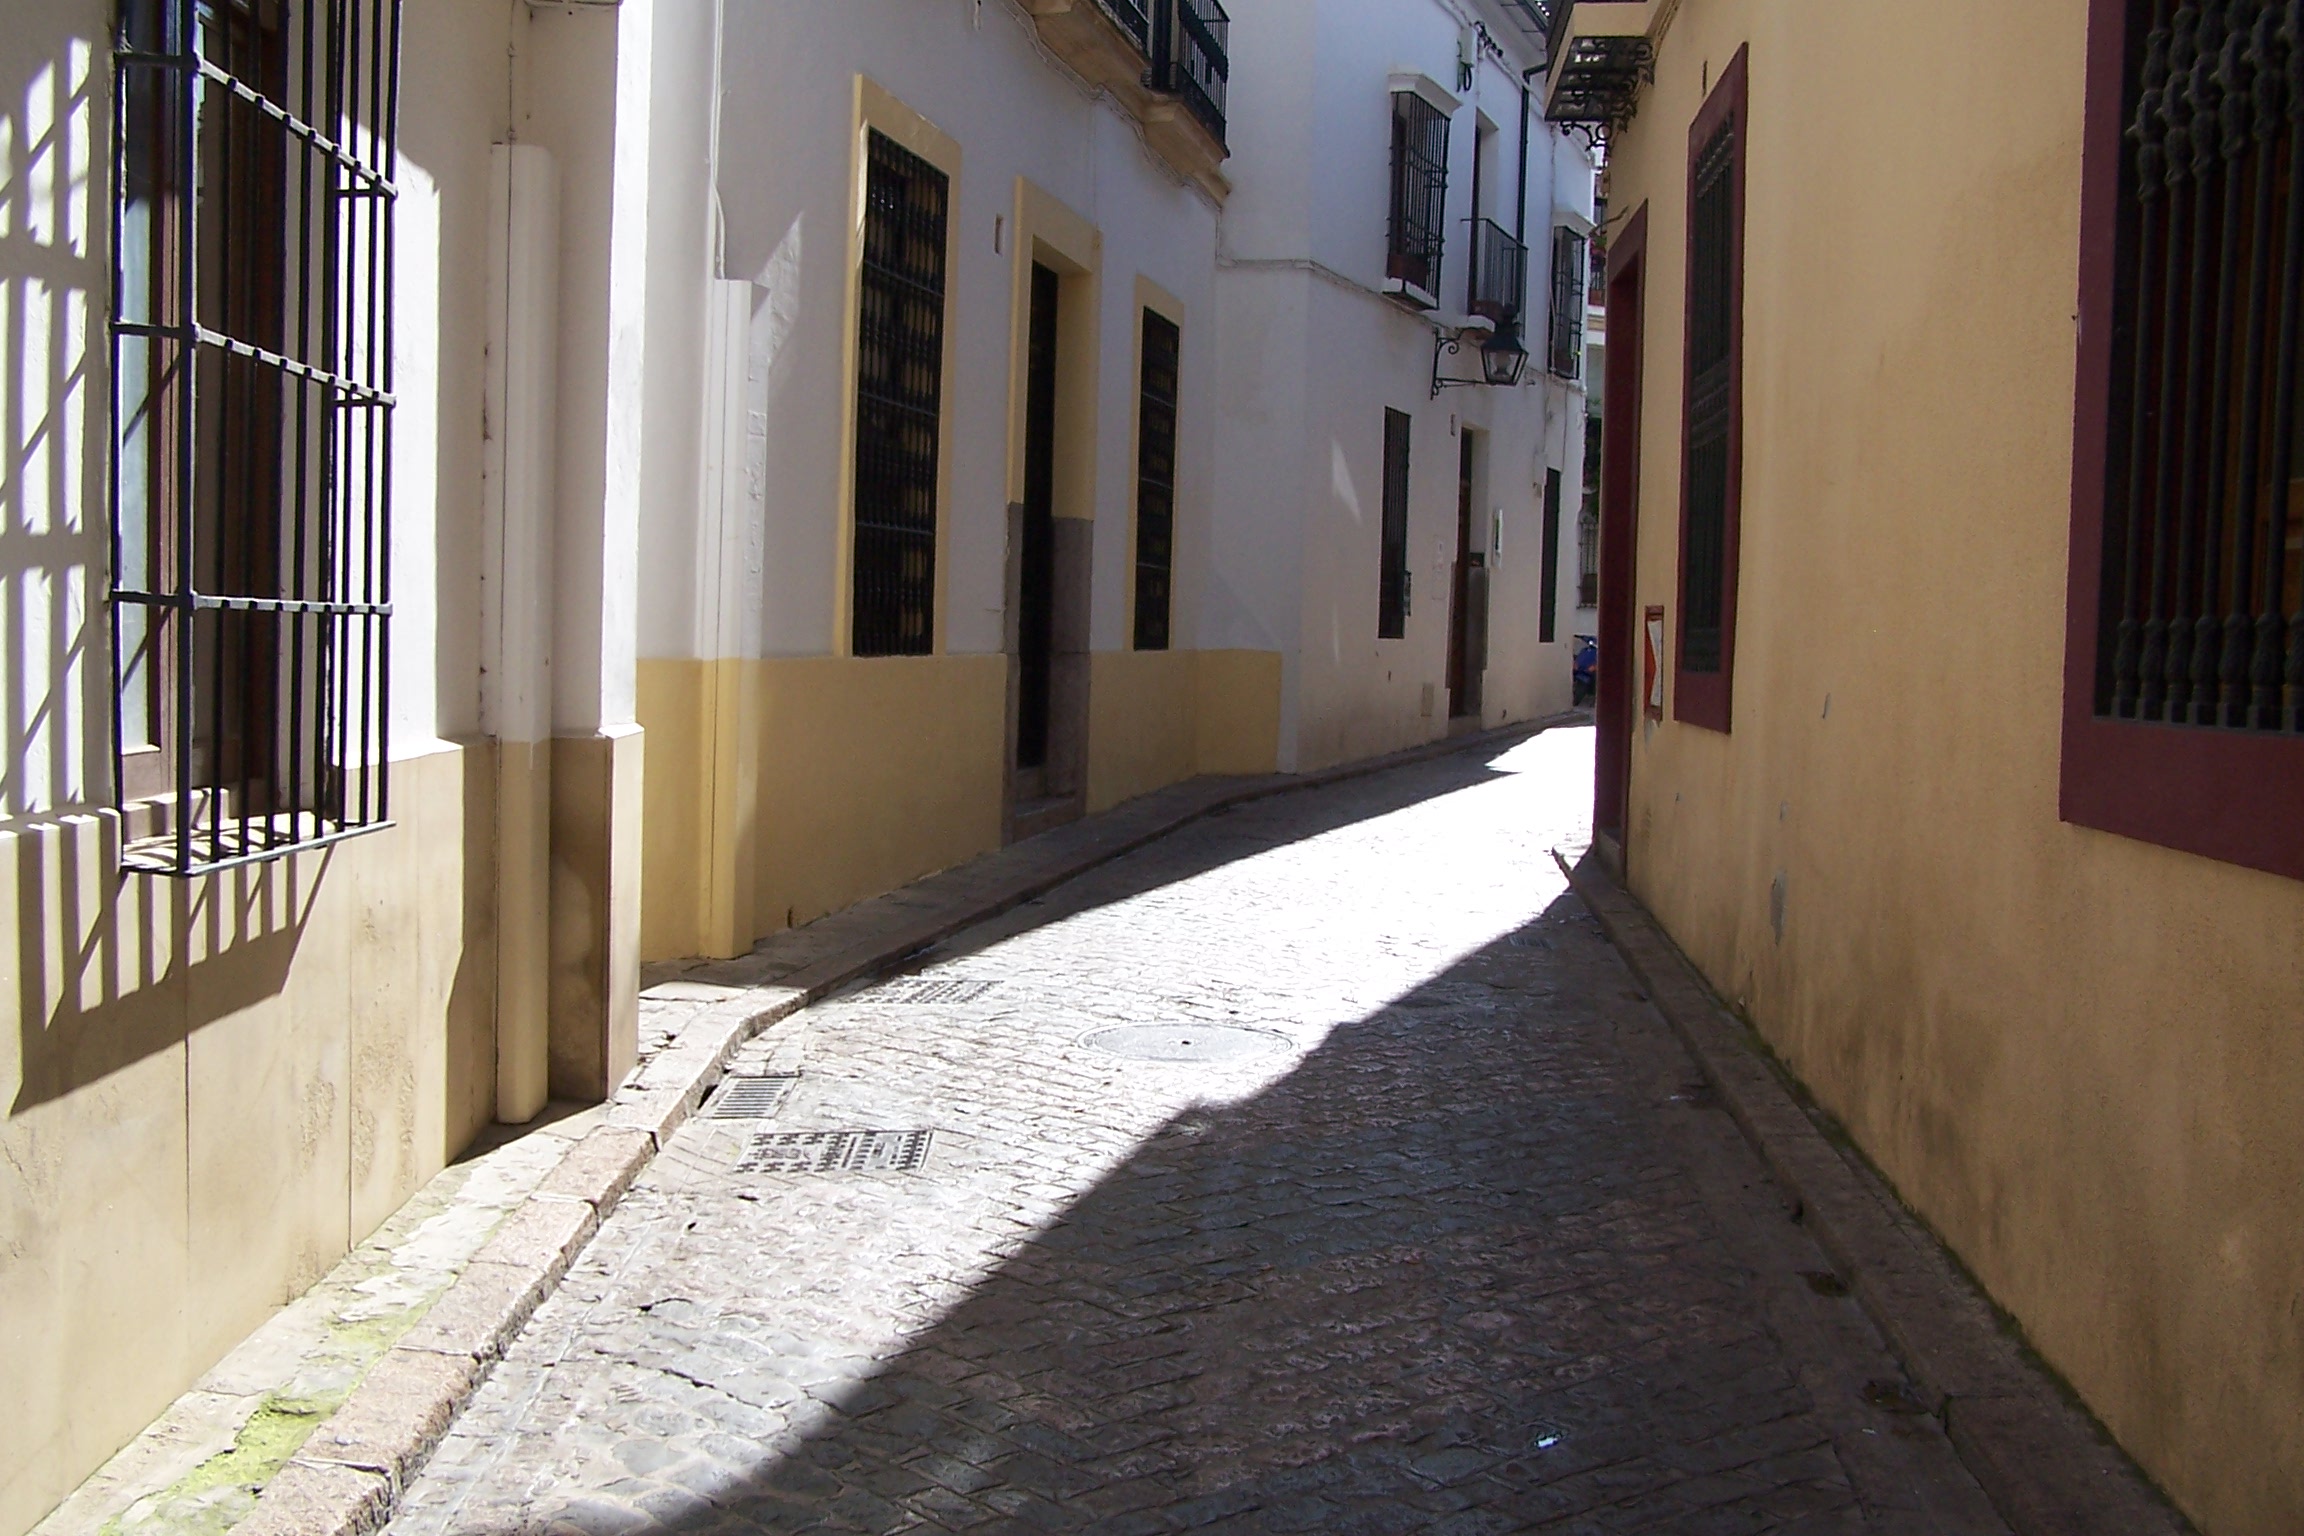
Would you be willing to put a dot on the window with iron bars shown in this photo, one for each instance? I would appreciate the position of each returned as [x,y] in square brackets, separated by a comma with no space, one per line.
[1419,196]
[251,456]
[1156,480]
[2184,715]
[1392,543]
[1565,355]
[899,402]
[1712,405]
[1548,595]
[2203,559]
[1588,520]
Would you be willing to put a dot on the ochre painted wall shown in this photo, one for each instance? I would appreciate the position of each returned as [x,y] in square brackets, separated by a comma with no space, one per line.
[1155,717]
[870,772]
[1143,723]
[855,776]
[210,1089]
[2081,1058]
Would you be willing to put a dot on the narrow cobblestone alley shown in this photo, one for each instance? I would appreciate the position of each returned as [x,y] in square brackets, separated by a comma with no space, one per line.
[1318,1167]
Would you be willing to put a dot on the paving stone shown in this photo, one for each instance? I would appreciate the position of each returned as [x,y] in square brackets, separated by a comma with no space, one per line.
[1462,1257]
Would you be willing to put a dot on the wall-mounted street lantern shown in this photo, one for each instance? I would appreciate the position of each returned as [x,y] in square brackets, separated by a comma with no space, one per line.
[1501,357]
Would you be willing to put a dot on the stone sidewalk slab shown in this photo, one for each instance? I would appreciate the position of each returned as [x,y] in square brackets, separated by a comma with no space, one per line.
[2048,1466]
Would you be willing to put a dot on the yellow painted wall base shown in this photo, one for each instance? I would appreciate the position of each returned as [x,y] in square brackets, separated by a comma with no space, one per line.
[597,799]
[1155,717]
[210,1089]
[1238,693]
[823,780]
[871,772]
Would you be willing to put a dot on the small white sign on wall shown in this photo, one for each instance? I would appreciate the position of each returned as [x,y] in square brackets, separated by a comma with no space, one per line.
[1653,665]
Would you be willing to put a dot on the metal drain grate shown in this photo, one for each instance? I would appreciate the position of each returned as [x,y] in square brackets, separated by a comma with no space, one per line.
[932,989]
[752,1098]
[836,1152]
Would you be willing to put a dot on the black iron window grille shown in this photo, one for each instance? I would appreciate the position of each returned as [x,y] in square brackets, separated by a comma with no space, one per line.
[1419,196]
[1548,604]
[899,401]
[1571,272]
[1711,370]
[1496,278]
[251,458]
[1596,286]
[1156,480]
[1392,549]
[2203,555]
[1191,58]
[1588,520]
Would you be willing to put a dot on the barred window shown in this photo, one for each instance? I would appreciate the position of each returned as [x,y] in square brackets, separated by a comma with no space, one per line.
[1419,197]
[899,401]
[1712,407]
[2184,711]
[1392,547]
[2203,551]
[1588,520]
[1548,600]
[1156,480]
[250,327]
[1570,273]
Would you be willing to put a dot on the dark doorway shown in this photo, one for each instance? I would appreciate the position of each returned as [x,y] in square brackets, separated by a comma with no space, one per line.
[1468,591]
[1036,598]
[1619,703]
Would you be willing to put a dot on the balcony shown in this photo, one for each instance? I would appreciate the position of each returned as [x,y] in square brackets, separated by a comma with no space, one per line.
[1164,61]
[1190,61]
[1602,52]
[1496,282]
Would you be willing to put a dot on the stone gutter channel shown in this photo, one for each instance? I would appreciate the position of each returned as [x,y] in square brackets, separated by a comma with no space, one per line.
[2045,1463]
[379,1359]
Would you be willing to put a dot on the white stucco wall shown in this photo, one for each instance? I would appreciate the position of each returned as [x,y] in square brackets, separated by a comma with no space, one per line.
[784,184]
[1314,355]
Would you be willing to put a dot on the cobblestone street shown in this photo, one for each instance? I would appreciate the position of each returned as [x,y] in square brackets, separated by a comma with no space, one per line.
[1318,1167]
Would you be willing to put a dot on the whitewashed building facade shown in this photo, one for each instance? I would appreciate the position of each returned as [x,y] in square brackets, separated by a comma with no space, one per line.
[826,441]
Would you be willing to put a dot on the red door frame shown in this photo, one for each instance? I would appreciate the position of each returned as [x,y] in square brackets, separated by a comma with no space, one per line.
[1618,705]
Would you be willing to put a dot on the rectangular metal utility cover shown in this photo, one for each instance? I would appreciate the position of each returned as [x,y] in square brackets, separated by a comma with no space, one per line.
[931,989]
[836,1152]
[752,1097]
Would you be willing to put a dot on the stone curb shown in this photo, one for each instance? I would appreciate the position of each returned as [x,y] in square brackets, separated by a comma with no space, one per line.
[348,1478]
[2047,1466]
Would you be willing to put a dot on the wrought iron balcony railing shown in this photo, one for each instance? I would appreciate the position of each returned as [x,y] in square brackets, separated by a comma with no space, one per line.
[1190,60]
[1496,280]
[1599,55]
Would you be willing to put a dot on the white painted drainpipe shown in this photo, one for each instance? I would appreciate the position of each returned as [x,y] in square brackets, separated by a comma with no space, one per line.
[518,449]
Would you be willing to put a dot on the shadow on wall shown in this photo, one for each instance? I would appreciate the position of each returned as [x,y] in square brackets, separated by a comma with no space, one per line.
[108,964]
[113,966]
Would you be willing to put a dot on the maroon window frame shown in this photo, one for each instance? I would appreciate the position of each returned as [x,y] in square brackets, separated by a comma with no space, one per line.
[1704,698]
[1622,401]
[2236,796]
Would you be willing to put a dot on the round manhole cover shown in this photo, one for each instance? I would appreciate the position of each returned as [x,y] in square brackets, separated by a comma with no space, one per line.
[1186,1042]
